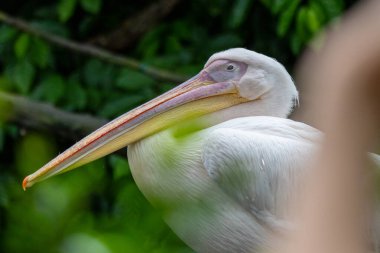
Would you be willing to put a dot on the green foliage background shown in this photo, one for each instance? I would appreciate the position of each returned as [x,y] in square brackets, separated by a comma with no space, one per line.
[98,208]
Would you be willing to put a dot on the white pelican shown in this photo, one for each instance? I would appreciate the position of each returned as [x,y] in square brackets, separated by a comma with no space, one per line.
[223,185]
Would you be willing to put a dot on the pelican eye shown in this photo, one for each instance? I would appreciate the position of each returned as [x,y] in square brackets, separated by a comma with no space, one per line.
[230,67]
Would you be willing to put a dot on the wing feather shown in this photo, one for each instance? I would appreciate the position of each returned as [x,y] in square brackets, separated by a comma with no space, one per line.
[257,162]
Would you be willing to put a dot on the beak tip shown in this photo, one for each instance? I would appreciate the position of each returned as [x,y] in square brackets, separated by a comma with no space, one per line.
[25,183]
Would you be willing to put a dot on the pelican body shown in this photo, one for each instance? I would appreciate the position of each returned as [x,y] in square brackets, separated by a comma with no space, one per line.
[216,155]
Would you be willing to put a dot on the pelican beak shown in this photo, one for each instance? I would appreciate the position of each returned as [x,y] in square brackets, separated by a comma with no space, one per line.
[196,97]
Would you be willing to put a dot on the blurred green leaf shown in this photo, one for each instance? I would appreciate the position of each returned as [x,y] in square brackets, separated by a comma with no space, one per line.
[76,96]
[106,76]
[91,72]
[28,146]
[287,17]
[278,5]
[301,35]
[120,166]
[22,45]
[132,80]
[167,61]
[5,84]
[91,6]
[221,42]
[150,43]
[22,74]
[50,89]
[312,21]
[83,243]
[7,33]
[95,97]
[296,44]
[319,12]
[181,29]
[66,9]
[173,45]
[331,7]
[120,106]
[302,19]
[53,201]
[239,12]
[40,53]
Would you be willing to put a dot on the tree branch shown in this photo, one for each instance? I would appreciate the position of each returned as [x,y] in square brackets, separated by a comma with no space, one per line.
[46,118]
[91,50]
[134,27]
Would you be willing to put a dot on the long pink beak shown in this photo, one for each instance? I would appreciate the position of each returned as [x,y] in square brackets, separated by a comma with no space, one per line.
[198,96]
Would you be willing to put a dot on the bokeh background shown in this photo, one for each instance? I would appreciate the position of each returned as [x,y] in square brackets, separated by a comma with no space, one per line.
[98,208]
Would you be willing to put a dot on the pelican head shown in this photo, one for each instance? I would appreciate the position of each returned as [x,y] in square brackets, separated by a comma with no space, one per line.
[234,83]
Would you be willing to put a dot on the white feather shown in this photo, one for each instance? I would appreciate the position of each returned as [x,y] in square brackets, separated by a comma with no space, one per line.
[216,192]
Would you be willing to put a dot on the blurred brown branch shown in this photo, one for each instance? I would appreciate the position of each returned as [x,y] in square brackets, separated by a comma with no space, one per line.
[134,27]
[91,50]
[44,117]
